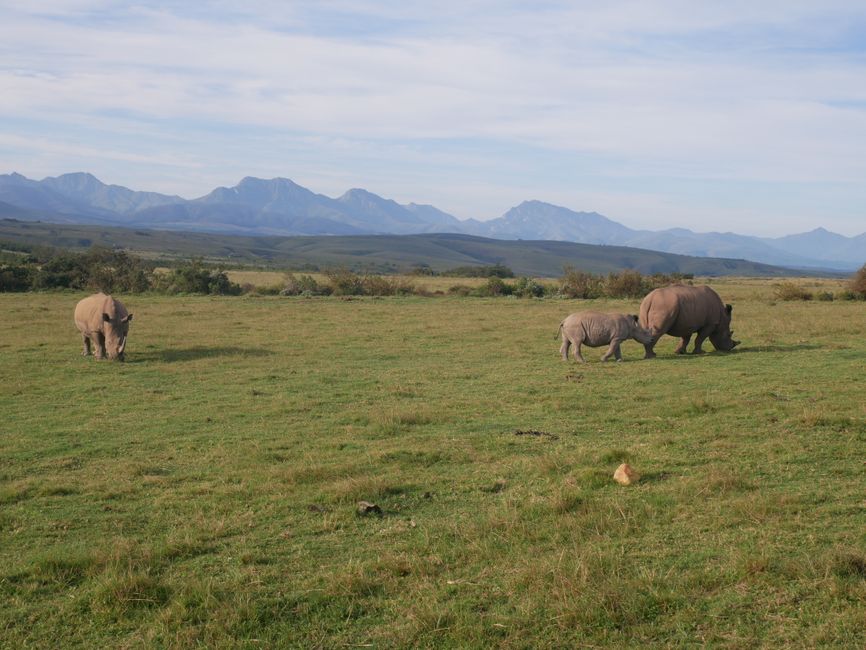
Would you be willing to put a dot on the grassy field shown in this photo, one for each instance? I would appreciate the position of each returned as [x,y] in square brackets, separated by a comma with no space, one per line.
[205,492]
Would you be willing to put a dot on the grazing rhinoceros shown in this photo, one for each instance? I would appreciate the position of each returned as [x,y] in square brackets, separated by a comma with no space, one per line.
[681,310]
[596,329]
[105,321]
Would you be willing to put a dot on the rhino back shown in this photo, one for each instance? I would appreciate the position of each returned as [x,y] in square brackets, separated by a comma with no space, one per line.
[597,328]
[89,311]
[681,310]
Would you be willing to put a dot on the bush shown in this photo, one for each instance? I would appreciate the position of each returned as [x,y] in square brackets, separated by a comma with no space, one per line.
[195,277]
[345,283]
[378,285]
[791,291]
[528,288]
[579,284]
[99,269]
[857,284]
[423,270]
[626,284]
[16,277]
[825,296]
[493,271]
[494,287]
[305,285]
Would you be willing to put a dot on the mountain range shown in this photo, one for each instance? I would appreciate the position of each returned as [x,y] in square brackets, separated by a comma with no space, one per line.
[281,207]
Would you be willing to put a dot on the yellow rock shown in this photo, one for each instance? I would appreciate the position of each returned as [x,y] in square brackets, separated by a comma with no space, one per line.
[625,475]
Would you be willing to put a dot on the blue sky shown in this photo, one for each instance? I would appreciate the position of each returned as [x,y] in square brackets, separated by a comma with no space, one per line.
[736,116]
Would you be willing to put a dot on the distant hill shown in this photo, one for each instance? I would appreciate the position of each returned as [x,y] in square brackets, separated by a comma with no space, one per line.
[388,253]
[281,207]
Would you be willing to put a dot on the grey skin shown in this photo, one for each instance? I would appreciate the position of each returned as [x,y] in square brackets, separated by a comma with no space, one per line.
[682,311]
[595,329]
[104,321]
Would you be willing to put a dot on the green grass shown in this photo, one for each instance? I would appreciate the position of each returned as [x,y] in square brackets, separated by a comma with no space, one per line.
[205,492]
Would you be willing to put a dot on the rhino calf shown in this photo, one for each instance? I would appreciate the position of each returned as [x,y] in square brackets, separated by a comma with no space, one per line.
[104,321]
[596,329]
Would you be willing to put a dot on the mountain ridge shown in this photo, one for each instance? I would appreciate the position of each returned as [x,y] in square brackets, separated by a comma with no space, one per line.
[279,206]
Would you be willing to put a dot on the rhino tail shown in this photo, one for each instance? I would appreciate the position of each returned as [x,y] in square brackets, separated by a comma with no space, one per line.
[556,336]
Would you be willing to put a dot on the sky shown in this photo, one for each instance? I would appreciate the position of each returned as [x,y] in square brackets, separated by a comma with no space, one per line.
[727,116]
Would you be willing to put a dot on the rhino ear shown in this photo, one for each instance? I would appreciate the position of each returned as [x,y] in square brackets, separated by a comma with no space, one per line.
[729,309]
[127,319]
[634,316]
[106,318]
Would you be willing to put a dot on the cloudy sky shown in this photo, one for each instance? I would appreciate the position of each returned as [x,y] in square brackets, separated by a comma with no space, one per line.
[747,116]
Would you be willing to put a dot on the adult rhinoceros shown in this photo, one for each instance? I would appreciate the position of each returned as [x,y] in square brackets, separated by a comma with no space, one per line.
[105,321]
[682,310]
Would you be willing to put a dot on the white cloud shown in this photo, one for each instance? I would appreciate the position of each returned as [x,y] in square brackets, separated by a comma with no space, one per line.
[740,92]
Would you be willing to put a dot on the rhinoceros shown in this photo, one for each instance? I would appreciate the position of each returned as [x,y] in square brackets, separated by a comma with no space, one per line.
[682,310]
[105,321]
[595,329]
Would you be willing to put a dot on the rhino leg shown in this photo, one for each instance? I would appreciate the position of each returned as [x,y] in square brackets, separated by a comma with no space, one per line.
[563,350]
[648,350]
[702,335]
[613,350]
[577,354]
[99,340]
[683,344]
[86,351]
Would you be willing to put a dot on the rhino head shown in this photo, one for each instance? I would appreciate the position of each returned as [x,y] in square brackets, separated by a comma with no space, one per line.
[115,331]
[638,333]
[722,338]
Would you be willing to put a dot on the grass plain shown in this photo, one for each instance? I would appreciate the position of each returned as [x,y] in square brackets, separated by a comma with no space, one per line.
[204,493]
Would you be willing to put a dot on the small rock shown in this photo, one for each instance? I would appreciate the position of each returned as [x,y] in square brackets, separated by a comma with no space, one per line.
[366,508]
[625,475]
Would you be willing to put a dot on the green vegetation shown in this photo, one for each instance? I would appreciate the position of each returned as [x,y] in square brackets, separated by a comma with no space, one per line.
[205,492]
[792,291]
[111,271]
[389,254]
[857,285]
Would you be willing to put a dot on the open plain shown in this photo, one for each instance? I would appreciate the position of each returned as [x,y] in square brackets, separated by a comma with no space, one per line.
[205,492]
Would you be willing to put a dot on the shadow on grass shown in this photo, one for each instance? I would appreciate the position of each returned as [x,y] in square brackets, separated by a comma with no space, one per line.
[777,348]
[747,350]
[654,477]
[175,355]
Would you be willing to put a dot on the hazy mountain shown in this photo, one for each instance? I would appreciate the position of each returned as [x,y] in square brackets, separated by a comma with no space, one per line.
[281,207]
[539,220]
[89,190]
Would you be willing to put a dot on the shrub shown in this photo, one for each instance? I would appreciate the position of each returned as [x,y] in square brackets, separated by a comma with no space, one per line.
[99,269]
[579,284]
[791,291]
[195,277]
[345,283]
[423,269]
[857,284]
[626,284]
[493,271]
[459,290]
[528,288]
[16,277]
[378,285]
[825,296]
[304,285]
[494,286]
